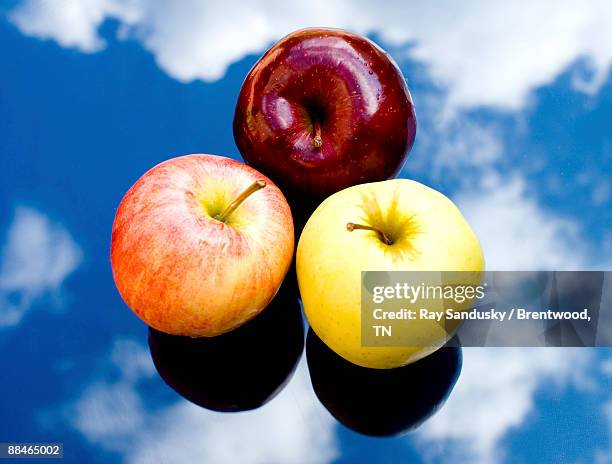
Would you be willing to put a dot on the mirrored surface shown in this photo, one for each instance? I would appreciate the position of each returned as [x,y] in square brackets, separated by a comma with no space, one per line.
[513,106]
[382,402]
[240,370]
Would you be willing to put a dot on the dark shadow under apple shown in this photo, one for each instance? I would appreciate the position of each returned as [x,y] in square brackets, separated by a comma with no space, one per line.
[382,402]
[301,210]
[240,370]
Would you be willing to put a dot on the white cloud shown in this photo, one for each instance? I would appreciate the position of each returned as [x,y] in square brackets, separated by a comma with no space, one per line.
[484,53]
[72,23]
[132,360]
[109,413]
[36,259]
[292,428]
[494,395]
[458,148]
[516,233]
[495,392]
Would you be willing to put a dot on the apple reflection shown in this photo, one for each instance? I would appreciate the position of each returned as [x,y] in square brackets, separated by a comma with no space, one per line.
[382,402]
[240,370]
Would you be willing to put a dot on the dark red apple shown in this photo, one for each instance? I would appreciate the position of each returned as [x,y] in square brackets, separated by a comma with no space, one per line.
[322,110]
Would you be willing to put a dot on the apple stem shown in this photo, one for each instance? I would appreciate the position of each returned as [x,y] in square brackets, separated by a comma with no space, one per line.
[350,226]
[317,141]
[254,187]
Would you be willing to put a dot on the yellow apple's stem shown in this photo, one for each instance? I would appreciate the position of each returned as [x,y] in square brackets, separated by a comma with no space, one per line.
[317,141]
[254,187]
[350,226]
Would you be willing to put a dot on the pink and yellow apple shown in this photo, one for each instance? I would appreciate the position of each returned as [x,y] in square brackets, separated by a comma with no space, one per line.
[200,245]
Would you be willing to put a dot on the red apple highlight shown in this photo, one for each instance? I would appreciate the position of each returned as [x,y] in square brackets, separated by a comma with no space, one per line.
[200,245]
[322,110]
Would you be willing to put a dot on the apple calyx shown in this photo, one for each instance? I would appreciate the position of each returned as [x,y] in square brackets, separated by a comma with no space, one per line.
[254,187]
[317,141]
[351,226]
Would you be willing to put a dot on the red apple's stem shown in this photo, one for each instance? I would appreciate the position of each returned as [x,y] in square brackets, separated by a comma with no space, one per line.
[350,226]
[254,187]
[317,141]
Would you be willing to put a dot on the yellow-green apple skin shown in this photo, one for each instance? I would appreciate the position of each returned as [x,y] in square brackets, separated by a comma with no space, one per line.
[181,269]
[428,232]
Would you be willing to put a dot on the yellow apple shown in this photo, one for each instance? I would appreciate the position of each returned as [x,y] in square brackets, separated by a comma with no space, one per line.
[395,225]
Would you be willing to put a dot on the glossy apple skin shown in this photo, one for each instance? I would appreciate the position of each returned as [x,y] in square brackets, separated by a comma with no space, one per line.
[347,84]
[182,271]
[240,370]
[429,234]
